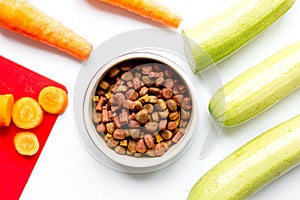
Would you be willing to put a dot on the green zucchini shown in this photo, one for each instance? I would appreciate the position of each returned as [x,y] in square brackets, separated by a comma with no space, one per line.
[258,88]
[253,165]
[218,37]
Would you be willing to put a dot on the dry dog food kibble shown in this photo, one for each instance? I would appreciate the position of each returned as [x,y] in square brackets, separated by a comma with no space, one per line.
[141,108]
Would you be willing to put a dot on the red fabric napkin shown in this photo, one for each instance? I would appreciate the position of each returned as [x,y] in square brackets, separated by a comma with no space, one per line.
[15,169]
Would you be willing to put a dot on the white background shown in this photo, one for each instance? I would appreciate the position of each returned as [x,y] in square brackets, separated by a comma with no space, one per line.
[65,170]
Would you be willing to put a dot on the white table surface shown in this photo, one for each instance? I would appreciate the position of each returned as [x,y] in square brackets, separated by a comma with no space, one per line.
[65,170]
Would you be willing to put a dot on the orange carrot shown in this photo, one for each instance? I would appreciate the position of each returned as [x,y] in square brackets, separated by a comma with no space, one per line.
[27,113]
[26,143]
[6,105]
[149,9]
[53,100]
[22,17]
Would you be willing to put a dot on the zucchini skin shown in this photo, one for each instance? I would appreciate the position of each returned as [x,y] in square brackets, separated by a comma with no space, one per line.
[258,88]
[216,38]
[252,166]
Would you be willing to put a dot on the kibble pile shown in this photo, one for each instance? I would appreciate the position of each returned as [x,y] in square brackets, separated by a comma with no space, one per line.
[141,108]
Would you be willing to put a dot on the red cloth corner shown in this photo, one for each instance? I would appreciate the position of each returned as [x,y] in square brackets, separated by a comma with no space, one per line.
[15,169]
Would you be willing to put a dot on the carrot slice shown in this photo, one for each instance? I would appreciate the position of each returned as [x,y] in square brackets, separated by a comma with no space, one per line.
[149,9]
[22,17]
[27,113]
[53,100]
[6,105]
[26,143]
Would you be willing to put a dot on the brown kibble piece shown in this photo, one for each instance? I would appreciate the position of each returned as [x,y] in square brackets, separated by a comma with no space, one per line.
[164,114]
[155,116]
[168,73]
[144,99]
[185,114]
[148,107]
[136,83]
[134,124]
[154,90]
[159,81]
[138,155]
[143,91]
[151,127]
[101,128]
[138,105]
[113,72]
[172,105]
[161,105]
[112,143]
[174,115]
[118,99]
[123,143]
[169,83]
[138,75]
[166,145]
[183,124]
[120,150]
[107,137]
[127,76]
[159,149]
[172,125]
[152,99]
[131,95]
[104,85]
[186,103]
[129,153]
[110,127]
[149,140]
[130,84]
[119,134]
[125,66]
[178,99]
[162,124]
[131,146]
[142,116]
[166,93]
[141,146]
[166,134]
[150,152]
[135,133]
[181,87]
[122,88]
[128,104]
[156,74]
[97,117]
[146,80]
[146,69]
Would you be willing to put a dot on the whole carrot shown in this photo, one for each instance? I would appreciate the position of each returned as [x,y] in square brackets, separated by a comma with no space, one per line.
[22,17]
[149,9]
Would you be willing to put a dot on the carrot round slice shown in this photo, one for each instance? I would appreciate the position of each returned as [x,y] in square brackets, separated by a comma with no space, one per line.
[53,100]
[26,143]
[27,113]
[6,105]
